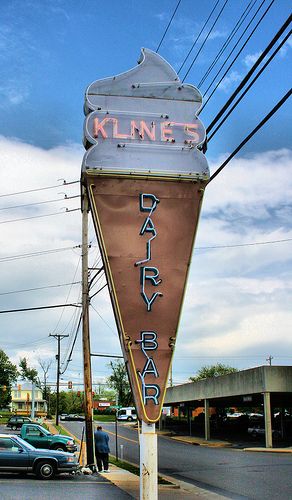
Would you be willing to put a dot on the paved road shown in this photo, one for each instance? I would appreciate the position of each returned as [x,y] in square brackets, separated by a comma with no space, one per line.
[15,487]
[233,473]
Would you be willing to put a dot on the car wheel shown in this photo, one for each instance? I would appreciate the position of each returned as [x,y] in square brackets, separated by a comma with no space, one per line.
[60,447]
[14,427]
[45,470]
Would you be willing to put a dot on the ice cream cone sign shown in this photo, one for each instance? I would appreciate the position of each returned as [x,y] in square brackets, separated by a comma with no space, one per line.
[145,179]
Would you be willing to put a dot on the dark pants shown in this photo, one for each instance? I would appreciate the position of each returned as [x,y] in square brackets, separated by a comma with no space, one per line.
[101,460]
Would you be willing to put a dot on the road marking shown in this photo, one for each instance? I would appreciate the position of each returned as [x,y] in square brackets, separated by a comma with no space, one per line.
[122,437]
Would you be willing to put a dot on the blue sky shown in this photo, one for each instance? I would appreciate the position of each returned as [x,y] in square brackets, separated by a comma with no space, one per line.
[239,297]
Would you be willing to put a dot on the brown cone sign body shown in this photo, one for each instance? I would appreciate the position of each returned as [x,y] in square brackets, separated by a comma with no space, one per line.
[152,220]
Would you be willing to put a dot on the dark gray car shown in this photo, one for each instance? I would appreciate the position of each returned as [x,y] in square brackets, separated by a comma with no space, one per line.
[16,455]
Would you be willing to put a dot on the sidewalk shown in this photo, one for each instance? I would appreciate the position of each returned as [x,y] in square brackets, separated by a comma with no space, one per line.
[129,483]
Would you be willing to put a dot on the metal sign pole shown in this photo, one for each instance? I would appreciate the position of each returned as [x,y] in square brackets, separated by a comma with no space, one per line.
[148,462]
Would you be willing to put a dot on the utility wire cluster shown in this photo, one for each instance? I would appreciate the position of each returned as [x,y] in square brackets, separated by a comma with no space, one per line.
[246,25]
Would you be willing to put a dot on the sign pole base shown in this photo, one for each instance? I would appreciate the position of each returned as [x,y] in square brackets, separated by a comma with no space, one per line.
[148,463]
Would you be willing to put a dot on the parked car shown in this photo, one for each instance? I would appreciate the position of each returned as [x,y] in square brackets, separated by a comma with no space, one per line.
[39,437]
[73,417]
[16,422]
[127,414]
[18,456]
[258,431]
[63,416]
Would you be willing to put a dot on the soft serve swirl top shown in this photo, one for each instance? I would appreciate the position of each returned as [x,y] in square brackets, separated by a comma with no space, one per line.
[144,120]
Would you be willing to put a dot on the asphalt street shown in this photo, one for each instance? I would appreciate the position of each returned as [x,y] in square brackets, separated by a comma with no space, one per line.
[64,487]
[231,472]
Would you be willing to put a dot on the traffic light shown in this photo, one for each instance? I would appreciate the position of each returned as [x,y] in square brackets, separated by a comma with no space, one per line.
[70,384]
[78,394]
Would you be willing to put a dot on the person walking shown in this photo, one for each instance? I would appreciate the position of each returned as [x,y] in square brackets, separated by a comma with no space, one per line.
[102,450]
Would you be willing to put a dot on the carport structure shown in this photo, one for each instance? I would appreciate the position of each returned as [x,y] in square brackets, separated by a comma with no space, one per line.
[267,385]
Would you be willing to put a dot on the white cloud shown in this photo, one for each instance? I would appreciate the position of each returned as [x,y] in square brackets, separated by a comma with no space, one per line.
[250,59]
[228,81]
[286,47]
[238,300]
[217,34]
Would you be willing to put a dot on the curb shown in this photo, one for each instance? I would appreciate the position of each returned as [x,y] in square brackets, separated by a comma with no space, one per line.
[269,450]
[198,442]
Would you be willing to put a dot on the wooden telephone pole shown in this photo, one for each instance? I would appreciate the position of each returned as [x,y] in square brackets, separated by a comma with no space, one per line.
[85,335]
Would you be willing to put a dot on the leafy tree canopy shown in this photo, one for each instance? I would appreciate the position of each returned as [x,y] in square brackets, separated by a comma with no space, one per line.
[27,373]
[210,371]
[8,375]
[119,381]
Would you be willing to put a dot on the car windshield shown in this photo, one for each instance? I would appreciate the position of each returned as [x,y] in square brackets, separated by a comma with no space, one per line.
[44,431]
[23,443]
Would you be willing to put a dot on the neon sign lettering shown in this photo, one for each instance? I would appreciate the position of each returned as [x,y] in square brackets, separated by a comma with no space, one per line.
[149,342]
[110,128]
[148,274]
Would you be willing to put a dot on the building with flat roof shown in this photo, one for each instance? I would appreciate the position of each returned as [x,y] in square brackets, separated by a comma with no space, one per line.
[267,385]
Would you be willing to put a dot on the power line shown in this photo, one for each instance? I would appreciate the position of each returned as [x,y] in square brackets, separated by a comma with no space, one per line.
[103,319]
[249,86]
[250,73]
[68,295]
[39,189]
[76,317]
[40,288]
[234,46]
[167,27]
[244,244]
[39,308]
[73,344]
[228,40]
[39,216]
[99,290]
[40,202]
[198,36]
[236,57]
[43,340]
[36,254]
[252,133]
[205,40]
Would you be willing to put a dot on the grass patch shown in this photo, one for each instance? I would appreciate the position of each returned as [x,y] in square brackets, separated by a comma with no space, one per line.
[5,416]
[132,468]
[104,418]
[61,430]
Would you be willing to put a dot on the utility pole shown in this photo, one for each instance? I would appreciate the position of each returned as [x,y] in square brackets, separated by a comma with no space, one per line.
[269,359]
[59,337]
[85,335]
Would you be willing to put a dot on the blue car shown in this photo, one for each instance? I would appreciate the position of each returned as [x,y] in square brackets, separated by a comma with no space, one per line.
[16,455]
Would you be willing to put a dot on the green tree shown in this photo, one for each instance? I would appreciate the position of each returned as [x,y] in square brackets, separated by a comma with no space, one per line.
[69,402]
[8,375]
[210,371]
[119,381]
[28,373]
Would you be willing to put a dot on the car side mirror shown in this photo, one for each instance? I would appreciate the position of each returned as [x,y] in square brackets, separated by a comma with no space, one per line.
[20,450]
